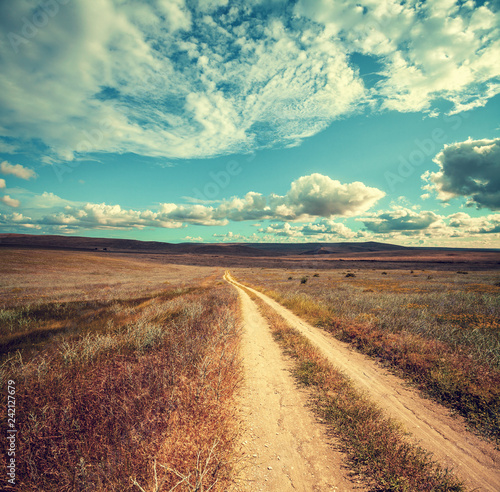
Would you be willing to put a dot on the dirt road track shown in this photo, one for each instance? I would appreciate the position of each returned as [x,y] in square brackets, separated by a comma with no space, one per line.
[285,448]
[475,461]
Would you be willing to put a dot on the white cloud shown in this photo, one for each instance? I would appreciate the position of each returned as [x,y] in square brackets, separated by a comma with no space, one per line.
[401,219]
[11,202]
[489,224]
[17,220]
[191,239]
[2,183]
[127,82]
[326,228]
[239,238]
[176,13]
[322,230]
[309,197]
[190,214]
[167,79]
[320,196]
[469,169]
[427,49]
[17,170]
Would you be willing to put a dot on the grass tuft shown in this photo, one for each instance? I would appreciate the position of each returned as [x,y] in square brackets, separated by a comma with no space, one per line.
[443,336]
[376,447]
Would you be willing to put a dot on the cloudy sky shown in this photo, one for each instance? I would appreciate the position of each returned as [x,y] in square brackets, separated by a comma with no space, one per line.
[252,120]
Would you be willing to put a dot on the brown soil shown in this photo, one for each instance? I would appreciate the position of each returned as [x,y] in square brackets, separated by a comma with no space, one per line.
[431,425]
[283,446]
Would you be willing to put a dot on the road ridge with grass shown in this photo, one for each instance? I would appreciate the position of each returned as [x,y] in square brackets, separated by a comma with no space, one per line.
[447,438]
[283,447]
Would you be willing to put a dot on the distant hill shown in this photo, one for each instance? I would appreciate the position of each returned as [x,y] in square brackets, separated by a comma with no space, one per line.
[127,245]
[272,250]
[368,247]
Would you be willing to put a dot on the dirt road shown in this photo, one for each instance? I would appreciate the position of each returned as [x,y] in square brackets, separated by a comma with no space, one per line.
[284,447]
[475,461]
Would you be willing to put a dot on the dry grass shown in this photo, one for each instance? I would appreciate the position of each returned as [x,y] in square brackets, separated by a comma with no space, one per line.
[129,392]
[442,333]
[376,447]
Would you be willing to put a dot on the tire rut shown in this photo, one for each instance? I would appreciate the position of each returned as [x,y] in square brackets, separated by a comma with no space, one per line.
[283,446]
[474,460]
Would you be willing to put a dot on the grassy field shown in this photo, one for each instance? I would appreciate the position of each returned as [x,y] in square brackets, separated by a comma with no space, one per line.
[124,372]
[377,448]
[441,330]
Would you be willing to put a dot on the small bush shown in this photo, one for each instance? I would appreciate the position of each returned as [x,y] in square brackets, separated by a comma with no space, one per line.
[303,280]
[350,275]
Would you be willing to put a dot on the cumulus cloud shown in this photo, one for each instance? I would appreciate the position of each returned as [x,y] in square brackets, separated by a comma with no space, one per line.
[469,169]
[309,197]
[17,220]
[463,222]
[2,183]
[283,230]
[17,170]
[400,219]
[11,202]
[320,230]
[191,239]
[190,214]
[328,229]
[103,216]
[321,196]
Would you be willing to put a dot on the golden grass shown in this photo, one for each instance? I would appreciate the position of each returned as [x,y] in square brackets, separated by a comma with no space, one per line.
[442,333]
[124,383]
[376,447]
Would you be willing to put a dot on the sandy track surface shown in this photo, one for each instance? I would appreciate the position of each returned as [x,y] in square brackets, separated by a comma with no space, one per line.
[284,447]
[472,459]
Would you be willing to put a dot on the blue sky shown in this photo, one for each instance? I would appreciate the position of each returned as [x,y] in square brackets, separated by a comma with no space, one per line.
[217,120]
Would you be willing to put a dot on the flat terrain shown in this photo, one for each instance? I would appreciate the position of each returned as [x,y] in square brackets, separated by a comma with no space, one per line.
[223,408]
[273,255]
[285,447]
[472,459]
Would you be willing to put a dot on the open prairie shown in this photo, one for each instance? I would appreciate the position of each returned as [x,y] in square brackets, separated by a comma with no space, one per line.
[123,372]
[439,329]
[131,372]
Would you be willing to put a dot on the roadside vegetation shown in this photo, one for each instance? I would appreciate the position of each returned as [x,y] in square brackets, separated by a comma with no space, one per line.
[440,330]
[125,373]
[376,447]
